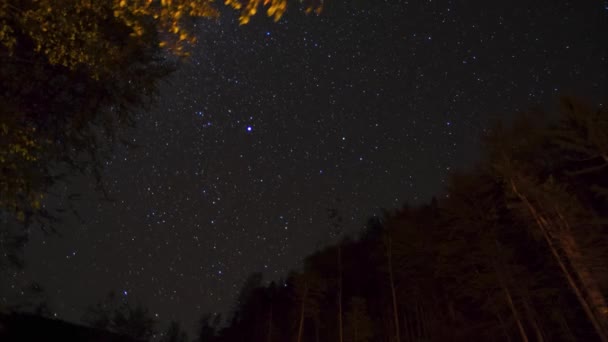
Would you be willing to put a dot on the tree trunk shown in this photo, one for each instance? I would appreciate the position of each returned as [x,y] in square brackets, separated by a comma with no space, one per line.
[301,325]
[269,336]
[419,328]
[574,255]
[355,333]
[425,316]
[537,331]
[406,329]
[389,255]
[317,337]
[451,310]
[520,326]
[532,318]
[498,270]
[543,226]
[340,331]
[564,325]
[503,327]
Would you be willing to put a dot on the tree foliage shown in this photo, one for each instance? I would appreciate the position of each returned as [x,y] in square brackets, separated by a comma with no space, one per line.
[75,73]
[122,317]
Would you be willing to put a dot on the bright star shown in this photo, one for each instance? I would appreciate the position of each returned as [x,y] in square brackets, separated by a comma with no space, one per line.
[249,128]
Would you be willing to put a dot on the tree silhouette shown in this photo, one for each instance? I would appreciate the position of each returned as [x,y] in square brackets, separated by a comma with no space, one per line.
[388,244]
[358,323]
[74,74]
[208,327]
[308,290]
[514,250]
[336,226]
[120,317]
[174,333]
[545,202]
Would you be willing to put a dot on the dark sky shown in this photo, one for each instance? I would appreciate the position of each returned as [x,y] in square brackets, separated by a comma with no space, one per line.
[266,126]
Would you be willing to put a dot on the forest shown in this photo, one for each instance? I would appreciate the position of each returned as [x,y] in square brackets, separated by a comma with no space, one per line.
[514,249]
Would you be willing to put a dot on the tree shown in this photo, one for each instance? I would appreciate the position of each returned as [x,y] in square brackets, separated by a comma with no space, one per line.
[582,134]
[473,211]
[358,323]
[75,76]
[208,327]
[120,317]
[174,333]
[68,32]
[34,300]
[76,71]
[336,226]
[308,289]
[514,250]
[388,242]
[542,201]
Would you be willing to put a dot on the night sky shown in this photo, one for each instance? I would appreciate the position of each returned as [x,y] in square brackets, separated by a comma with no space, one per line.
[267,125]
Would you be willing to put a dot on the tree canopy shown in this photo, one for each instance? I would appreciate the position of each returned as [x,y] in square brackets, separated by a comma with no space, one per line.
[74,73]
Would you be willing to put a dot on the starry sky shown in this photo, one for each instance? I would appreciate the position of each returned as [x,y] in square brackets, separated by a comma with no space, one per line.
[265,126]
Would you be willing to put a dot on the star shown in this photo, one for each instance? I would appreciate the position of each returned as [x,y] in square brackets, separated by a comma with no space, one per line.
[337,108]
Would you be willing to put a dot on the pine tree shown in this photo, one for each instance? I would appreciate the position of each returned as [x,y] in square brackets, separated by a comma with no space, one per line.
[358,322]
[308,290]
[543,202]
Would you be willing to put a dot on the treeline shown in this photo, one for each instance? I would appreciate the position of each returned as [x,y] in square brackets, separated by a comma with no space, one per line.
[515,250]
